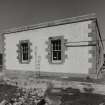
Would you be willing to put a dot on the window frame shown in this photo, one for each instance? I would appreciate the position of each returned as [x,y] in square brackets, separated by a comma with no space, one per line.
[20,52]
[54,49]
[49,56]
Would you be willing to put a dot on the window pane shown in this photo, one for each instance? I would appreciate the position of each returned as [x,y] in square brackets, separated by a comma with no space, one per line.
[24,50]
[54,55]
[1,59]
[24,56]
[56,49]
[59,55]
[59,44]
[56,45]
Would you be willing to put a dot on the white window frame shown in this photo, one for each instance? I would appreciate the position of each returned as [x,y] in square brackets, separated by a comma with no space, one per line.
[53,50]
[49,50]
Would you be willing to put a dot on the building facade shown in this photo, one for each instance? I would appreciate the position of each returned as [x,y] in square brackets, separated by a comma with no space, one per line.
[68,47]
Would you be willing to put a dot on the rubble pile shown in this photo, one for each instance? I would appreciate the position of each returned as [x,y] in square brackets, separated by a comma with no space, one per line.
[12,95]
[15,95]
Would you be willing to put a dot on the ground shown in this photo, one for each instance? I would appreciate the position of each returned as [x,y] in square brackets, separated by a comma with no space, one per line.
[52,95]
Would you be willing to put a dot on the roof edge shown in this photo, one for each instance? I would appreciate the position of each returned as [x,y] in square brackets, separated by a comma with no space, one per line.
[51,23]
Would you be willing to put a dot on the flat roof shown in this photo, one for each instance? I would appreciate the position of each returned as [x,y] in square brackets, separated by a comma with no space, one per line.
[51,23]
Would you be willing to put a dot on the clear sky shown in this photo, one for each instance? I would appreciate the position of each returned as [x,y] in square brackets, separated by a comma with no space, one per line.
[15,13]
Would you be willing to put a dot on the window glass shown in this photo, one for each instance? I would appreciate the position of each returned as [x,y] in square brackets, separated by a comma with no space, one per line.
[56,49]
[1,60]
[24,51]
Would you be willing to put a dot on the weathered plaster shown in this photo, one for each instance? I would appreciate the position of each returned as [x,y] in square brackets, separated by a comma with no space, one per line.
[77,57]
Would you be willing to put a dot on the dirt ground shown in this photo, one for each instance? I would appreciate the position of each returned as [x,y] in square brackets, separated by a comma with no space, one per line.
[54,96]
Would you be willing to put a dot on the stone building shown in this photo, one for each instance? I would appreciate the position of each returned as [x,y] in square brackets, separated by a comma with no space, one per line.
[70,47]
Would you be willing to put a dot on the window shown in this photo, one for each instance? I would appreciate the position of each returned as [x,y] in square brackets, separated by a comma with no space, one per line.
[56,50]
[24,51]
[1,60]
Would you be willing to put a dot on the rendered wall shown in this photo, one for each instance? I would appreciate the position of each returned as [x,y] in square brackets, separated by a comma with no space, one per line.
[77,60]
